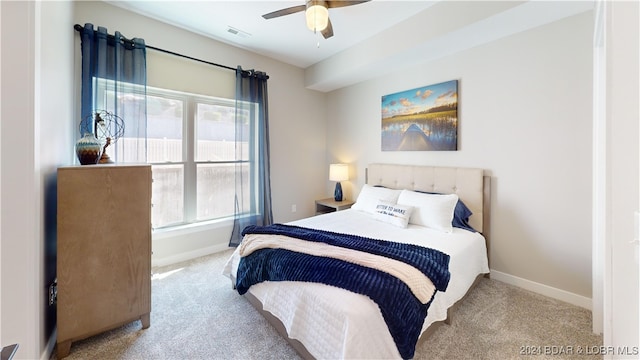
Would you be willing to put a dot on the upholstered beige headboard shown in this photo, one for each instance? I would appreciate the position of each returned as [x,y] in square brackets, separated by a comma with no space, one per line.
[470,184]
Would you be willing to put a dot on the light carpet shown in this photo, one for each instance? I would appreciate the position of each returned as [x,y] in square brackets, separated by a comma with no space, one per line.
[196,315]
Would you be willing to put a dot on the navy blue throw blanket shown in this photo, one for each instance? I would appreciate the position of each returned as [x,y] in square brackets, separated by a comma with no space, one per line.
[403,313]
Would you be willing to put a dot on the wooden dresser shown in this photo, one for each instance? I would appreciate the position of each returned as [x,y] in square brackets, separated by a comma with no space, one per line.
[104,250]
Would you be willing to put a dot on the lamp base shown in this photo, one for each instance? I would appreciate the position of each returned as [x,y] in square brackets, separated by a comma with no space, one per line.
[337,194]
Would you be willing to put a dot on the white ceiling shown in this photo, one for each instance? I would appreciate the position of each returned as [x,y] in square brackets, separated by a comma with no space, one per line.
[285,38]
[410,30]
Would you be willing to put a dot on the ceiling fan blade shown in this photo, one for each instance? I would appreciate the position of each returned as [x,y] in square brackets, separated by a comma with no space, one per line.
[328,31]
[286,11]
[341,3]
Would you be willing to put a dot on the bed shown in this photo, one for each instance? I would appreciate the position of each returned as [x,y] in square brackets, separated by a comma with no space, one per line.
[327,322]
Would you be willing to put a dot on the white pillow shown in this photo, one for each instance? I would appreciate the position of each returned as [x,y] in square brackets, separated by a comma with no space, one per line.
[393,214]
[370,195]
[434,211]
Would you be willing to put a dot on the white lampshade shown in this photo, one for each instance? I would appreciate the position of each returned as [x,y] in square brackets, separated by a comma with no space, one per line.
[317,17]
[338,172]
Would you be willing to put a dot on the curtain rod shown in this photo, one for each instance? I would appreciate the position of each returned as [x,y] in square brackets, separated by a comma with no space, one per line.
[79,28]
[190,58]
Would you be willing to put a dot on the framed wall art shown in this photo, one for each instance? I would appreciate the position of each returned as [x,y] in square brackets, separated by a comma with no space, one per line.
[421,119]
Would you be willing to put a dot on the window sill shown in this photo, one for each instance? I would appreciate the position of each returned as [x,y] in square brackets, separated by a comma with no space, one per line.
[192,228]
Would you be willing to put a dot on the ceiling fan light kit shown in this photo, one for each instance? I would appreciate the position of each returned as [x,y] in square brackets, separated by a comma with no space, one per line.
[317,15]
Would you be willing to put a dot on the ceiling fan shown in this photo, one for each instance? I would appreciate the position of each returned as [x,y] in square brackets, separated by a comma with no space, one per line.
[316,13]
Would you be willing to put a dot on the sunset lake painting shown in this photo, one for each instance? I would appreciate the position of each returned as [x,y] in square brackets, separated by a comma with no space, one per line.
[421,119]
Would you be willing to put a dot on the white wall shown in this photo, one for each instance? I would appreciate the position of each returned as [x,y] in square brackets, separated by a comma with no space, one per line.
[621,274]
[36,120]
[56,127]
[525,116]
[18,202]
[297,123]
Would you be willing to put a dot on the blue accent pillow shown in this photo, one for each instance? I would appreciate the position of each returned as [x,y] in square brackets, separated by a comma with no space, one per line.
[461,213]
[461,216]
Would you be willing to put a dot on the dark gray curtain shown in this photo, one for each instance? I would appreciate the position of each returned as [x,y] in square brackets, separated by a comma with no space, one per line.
[114,79]
[252,174]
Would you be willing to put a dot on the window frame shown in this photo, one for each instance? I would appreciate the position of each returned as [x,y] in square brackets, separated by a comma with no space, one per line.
[189,164]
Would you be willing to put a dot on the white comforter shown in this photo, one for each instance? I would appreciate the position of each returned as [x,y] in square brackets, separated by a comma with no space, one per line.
[335,323]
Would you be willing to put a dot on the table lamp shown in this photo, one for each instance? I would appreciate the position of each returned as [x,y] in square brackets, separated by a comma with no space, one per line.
[338,172]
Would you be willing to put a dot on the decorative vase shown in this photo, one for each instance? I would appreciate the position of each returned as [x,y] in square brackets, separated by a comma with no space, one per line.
[88,149]
[337,194]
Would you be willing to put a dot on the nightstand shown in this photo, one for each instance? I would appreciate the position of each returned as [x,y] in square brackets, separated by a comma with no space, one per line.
[324,206]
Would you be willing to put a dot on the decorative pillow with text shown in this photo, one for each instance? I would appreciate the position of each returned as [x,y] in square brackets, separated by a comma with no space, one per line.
[393,214]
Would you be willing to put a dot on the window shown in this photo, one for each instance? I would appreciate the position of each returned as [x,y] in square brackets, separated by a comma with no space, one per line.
[191,146]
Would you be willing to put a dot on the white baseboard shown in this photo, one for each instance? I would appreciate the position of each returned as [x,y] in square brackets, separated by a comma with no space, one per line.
[558,294]
[173,259]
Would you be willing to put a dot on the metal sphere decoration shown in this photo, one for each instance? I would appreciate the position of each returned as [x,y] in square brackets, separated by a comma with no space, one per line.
[106,126]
